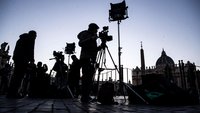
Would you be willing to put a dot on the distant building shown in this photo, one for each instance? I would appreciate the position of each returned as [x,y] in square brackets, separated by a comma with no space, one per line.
[184,75]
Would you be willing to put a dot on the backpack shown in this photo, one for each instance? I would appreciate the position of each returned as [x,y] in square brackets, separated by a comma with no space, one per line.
[106,93]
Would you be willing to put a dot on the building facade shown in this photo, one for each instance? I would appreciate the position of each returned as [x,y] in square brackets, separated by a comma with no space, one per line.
[184,75]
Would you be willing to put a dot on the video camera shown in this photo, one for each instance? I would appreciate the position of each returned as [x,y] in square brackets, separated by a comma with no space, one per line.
[103,35]
[58,55]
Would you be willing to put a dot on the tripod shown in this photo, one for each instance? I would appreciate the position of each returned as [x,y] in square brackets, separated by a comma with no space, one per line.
[100,62]
[63,81]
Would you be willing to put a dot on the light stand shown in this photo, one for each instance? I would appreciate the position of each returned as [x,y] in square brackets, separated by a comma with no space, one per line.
[70,49]
[117,13]
[119,53]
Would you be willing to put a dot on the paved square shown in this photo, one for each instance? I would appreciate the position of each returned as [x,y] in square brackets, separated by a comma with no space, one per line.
[29,105]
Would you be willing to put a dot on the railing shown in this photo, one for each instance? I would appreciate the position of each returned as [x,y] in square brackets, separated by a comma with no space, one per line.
[112,74]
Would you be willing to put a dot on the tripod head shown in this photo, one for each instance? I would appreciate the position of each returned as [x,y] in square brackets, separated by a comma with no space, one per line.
[58,55]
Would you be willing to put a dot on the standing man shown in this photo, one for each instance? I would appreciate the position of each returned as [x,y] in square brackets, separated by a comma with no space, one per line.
[74,76]
[89,49]
[22,56]
[61,68]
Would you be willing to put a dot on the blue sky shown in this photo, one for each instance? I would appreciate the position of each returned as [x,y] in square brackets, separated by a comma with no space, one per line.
[170,24]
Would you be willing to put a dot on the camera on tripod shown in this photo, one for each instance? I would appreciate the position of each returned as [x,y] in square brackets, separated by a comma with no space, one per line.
[58,55]
[103,35]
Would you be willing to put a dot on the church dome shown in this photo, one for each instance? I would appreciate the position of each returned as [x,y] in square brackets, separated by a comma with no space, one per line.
[164,60]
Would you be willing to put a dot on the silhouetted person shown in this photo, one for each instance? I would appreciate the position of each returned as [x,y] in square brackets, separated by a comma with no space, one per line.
[4,57]
[60,67]
[40,79]
[31,72]
[40,71]
[23,54]
[4,75]
[89,49]
[40,82]
[46,80]
[46,76]
[74,76]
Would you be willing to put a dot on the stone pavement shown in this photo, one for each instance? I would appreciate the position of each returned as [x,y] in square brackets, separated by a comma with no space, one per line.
[29,105]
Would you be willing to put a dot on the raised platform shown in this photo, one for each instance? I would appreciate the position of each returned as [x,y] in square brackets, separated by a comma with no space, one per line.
[30,105]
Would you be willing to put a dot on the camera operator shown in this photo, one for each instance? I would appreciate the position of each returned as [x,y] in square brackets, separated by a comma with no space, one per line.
[89,49]
[60,67]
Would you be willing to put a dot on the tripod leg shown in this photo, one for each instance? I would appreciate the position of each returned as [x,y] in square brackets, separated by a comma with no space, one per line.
[70,92]
[98,84]
[99,61]
[112,59]
[133,91]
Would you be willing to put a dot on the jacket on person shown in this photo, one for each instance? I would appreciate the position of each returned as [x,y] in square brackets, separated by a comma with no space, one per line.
[88,44]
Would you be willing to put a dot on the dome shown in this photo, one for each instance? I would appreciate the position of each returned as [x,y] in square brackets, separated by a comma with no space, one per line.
[164,60]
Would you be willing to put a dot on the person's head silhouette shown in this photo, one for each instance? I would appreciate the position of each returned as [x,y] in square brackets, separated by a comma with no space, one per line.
[93,27]
[32,34]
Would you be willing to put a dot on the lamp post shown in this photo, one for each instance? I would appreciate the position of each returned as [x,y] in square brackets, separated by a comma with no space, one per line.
[117,13]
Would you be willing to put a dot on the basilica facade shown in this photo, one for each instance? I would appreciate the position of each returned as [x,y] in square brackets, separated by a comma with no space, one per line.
[184,75]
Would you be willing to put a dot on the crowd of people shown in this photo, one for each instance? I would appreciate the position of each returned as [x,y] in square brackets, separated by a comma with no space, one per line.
[5,67]
[24,77]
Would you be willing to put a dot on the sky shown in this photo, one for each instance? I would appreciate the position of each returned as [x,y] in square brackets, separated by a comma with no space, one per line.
[172,25]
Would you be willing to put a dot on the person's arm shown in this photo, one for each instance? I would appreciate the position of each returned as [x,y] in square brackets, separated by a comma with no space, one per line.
[85,38]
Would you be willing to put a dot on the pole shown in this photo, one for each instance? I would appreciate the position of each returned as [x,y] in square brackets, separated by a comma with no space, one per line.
[127,75]
[119,56]
[119,50]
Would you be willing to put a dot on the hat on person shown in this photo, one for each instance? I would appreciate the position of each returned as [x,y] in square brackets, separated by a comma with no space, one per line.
[93,26]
